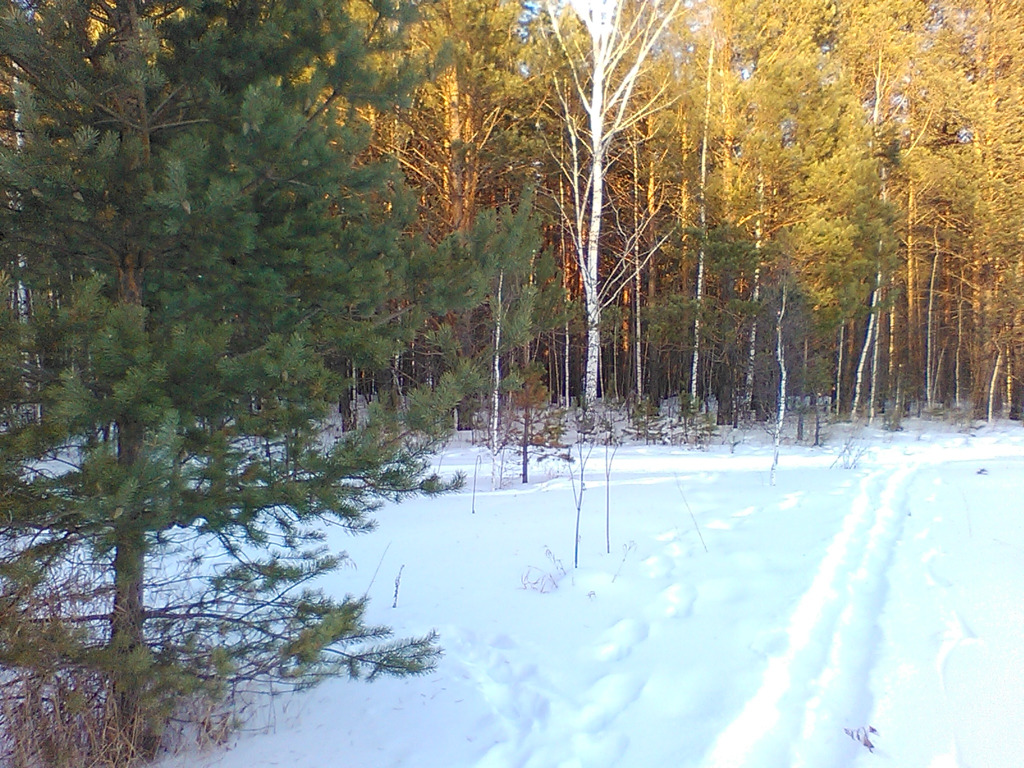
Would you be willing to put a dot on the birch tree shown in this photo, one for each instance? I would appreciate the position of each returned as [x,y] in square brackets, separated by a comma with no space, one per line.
[607,46]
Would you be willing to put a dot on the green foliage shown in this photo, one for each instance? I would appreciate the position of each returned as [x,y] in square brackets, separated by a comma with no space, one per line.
[200,231]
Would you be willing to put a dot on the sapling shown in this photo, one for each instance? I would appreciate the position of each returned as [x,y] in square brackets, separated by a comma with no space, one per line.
[584,448]
[692,516]
[379,564]
[626,549]
[612,440]
[542,427]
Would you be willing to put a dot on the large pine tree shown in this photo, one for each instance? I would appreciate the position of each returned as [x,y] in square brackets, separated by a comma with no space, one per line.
[190,227]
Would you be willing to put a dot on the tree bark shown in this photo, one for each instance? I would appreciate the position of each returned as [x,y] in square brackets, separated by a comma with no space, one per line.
[703,214]
[127,617]
[780,358]
[496,386]
[929,345]
[869,338]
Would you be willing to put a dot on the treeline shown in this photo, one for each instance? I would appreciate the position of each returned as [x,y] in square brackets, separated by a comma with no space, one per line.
[864,156]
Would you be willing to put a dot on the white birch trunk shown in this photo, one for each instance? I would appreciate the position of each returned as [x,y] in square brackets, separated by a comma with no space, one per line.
[839,370]
[591,299]
[637,362]
[695,364]
[1008,402]
[780,357]
[869,339]
[620,45]
[748,389]
[959,352]
[565,369]
[992,386]
[873,389]
[637,355]
[496,387]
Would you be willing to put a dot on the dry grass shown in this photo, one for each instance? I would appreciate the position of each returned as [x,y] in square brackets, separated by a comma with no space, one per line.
[61,719]
[69,720]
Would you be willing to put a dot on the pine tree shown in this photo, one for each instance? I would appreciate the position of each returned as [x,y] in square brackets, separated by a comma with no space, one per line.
[191,218]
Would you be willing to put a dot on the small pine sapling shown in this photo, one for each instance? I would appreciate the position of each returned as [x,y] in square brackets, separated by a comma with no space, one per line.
[541,428]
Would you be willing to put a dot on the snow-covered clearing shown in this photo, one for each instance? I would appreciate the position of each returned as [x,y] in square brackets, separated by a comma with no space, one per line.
[888,594]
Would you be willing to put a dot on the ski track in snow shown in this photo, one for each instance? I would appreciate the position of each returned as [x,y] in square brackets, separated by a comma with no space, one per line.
[830,635]
[821,673]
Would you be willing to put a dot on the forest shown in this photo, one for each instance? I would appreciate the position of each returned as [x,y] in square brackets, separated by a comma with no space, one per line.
[229,223]
[694,165]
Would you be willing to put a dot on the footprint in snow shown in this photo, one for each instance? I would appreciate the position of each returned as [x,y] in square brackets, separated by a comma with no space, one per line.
[607,699]
[932,575]
[674,602]
[790,500]
[658,567]
[601,750]
[617,642]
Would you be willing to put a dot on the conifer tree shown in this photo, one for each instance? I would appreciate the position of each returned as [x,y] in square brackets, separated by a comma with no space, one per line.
[190,217]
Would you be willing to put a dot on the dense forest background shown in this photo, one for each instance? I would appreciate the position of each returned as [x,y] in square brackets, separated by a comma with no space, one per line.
[864,158]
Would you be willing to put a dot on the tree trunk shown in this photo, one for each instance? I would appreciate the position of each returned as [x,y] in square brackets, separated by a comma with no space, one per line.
[873,390]
[913,312]
[929,345]
[527,424]
[780,357]
[992,386]
[496,386]
[838,404]
[958,357]
[591,261]
[129,672]
[869,339]
[699,293]
[637,370]
[748,389]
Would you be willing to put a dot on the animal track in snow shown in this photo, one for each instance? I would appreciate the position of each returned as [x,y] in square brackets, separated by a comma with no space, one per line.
[932,575]
[674,602]
[790,500]
[606,700]
[658,567]
[618,642]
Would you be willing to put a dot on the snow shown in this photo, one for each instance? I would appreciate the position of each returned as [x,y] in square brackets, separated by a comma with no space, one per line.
[877,585]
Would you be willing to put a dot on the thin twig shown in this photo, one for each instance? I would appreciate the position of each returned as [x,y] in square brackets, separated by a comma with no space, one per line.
[398,583]
[692,516]
[379,564]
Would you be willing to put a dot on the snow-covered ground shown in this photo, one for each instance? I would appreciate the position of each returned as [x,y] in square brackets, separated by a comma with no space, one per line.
[875,592]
